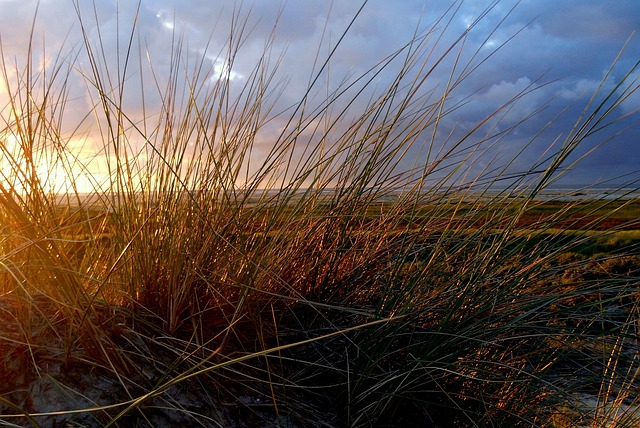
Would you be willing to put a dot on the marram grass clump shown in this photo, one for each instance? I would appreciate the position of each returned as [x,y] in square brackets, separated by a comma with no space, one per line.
[204,281]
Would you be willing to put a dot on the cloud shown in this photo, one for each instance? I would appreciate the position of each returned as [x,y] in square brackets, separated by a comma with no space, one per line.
[582,88]
[547,40]
[630,91]
[504,92]
[592,19]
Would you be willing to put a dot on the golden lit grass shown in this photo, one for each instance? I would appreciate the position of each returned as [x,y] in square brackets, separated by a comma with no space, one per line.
[317,284]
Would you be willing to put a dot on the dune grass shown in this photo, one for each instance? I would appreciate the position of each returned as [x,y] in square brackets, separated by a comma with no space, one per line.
[317,283]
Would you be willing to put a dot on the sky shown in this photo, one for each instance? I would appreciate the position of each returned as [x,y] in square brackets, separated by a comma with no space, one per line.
[557,51]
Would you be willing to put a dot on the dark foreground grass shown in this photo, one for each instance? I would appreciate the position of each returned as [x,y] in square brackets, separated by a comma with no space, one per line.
[318,285]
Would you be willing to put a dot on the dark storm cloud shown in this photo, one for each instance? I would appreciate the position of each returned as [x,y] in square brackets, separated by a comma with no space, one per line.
[557,50]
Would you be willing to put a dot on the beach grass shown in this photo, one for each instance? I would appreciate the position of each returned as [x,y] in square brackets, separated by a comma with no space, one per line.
[211,279]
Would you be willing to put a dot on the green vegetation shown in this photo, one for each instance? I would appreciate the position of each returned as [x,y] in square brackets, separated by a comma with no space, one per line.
[315,284]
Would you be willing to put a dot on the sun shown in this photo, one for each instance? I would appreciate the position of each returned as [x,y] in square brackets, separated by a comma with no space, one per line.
[74,168]
[61,180]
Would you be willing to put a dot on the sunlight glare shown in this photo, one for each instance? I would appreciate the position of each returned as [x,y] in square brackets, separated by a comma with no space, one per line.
[76,169]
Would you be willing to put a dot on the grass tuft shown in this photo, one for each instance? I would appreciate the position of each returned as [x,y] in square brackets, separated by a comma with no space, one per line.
[315,280]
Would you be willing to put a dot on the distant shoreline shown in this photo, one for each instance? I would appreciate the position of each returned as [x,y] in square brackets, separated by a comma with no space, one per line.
[559,193]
